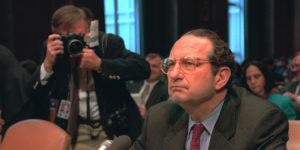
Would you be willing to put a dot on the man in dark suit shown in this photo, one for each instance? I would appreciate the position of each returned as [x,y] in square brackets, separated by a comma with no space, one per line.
[203,111]
[292,89]
[93,77]
[157,92]
[13,101]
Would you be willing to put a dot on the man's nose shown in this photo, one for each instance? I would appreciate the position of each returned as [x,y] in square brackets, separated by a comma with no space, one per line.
[175,72]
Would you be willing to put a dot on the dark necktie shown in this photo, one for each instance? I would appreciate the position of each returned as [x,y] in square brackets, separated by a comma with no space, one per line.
[197,131]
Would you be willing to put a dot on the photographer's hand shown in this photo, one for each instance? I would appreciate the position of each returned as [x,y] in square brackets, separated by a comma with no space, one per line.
[54,47]
[291,95]
[90,60]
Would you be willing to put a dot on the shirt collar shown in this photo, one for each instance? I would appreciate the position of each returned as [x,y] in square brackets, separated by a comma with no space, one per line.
[210,121]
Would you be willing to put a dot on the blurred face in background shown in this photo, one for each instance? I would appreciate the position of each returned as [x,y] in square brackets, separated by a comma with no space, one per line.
[155,64]
[255,80]
[296,66]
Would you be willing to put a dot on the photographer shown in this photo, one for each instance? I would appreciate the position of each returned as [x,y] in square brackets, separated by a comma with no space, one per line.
[96,76]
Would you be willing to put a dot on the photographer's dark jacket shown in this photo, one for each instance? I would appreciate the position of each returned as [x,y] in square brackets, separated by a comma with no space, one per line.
[118,66]
[13,102]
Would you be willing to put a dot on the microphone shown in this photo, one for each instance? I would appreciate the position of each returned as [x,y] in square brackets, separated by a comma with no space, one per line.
[122,142]
[105,145]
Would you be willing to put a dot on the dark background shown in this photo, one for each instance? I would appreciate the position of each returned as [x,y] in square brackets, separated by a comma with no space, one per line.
[272,26]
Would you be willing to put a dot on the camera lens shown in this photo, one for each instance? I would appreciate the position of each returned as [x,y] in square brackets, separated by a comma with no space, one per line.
[75,46]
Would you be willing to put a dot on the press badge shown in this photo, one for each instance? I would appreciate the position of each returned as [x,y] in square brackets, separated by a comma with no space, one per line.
[64,109]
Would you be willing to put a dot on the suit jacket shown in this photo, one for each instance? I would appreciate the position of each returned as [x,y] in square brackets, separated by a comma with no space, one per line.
[290,87]
[12,84]
[118,66]
[246,122]
[158,94]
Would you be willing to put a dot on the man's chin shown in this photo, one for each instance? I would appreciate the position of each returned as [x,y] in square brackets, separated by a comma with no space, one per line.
[178,98]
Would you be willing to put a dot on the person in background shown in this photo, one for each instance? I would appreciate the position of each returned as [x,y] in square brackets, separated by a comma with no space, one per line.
[152,90]
[90,81]
[204,112]
[292,89]
[14,105]
[259,81]
[280,67]
[29,65]
[278,79]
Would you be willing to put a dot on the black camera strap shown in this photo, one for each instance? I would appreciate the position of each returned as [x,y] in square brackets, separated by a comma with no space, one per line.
[89,119]
[88,113]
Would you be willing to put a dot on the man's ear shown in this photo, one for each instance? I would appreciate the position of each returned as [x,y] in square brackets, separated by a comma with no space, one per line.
[222,77]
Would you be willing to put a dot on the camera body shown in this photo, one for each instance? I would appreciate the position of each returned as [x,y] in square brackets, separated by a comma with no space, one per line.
[73,44]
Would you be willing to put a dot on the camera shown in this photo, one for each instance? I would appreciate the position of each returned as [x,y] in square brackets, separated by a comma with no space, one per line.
[73,44]
[116,123]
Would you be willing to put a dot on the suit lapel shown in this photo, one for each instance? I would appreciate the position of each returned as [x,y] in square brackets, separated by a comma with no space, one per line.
[175,140]
[226,124]
[294,87]
[219,141]
[136,86]
[153,97]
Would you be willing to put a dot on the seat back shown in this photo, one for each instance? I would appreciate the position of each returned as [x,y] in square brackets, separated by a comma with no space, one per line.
[294,135]
[35,134]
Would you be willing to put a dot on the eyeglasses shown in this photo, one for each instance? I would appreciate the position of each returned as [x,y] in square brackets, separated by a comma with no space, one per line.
[186,64]
[295,67]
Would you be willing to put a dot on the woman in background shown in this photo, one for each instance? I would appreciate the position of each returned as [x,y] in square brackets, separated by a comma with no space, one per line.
[259,82]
